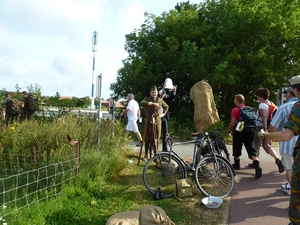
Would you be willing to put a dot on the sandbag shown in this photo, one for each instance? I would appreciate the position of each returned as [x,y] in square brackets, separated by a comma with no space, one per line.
[205,111]
[154,215]
[124,218]
[147,215]
[165,166]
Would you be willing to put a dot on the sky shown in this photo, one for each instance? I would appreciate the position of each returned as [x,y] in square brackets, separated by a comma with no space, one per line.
[49,42]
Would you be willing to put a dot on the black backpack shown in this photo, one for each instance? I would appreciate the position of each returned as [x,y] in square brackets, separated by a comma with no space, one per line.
[31,103]
[13,107]
[248,115]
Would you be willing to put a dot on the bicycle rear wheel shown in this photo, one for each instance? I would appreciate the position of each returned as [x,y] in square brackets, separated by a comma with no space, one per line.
[214,176]
[163,170]
[222,149]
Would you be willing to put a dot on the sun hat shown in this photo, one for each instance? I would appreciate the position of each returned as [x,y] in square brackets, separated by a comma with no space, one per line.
[294,80]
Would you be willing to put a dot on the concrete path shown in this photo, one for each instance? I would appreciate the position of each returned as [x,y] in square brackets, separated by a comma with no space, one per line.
[252,201]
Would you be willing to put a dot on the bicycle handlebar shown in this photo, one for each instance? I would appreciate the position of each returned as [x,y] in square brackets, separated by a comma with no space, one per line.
[211,134]
[170,137]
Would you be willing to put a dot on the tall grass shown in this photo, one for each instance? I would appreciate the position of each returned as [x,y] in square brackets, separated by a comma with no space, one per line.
[107,182]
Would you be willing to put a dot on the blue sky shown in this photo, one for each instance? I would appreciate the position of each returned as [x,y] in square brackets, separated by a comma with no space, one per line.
[49,42]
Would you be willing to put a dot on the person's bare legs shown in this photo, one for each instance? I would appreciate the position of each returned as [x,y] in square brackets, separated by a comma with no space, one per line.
[289,176]
[273,153]
[278,162]
[126,133]
[139,136]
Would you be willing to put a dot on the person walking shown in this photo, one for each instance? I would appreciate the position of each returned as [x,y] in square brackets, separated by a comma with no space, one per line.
[157,103]
[292,127]
[246,137]
[133,114]
[168,98]
[286,147]
[263,114]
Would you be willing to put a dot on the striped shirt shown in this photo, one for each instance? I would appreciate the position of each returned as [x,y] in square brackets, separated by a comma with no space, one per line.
[279,121]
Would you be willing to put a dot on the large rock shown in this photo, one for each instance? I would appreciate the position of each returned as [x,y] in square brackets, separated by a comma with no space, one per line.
[205,111]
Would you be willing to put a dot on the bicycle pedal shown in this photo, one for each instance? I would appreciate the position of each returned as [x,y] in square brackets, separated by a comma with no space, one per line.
[156,195]
[161,195]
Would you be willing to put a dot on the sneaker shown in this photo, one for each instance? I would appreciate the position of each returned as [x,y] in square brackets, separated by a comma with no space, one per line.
[280,166]
[258,172]
[286,188]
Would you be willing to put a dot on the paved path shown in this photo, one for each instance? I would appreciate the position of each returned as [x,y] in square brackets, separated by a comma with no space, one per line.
[253,201]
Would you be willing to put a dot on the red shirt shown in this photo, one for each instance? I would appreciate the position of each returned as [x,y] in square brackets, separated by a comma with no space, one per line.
[235,112]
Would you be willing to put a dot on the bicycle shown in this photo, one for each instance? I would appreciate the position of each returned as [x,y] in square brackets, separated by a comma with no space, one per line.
[217,142]
[213,173]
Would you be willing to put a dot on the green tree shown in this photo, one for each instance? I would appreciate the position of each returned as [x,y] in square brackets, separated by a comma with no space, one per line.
[36,89]
[236,45]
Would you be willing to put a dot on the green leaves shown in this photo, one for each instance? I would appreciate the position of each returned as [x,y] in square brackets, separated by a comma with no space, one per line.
[237,46]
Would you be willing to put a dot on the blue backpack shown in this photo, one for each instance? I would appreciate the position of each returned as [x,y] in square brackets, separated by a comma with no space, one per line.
[248,115]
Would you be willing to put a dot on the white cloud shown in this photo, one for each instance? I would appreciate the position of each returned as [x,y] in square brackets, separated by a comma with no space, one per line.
[49,42]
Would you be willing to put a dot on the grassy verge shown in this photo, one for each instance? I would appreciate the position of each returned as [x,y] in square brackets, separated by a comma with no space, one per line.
[107,183]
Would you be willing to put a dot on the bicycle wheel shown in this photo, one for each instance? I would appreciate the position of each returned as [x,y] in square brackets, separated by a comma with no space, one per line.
[214,176]
[222,149]
[163,170]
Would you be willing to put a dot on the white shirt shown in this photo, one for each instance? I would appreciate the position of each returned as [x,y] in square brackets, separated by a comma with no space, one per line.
[264,106]
[133,107]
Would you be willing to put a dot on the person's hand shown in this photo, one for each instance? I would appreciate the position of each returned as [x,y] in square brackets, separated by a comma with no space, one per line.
[152,103]
[261,132]
[140,119]
[161,115]
[174,89]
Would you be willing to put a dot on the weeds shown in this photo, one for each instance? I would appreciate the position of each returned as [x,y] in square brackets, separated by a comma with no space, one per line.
[107,183]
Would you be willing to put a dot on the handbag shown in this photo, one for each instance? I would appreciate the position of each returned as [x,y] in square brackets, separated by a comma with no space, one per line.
[184,188]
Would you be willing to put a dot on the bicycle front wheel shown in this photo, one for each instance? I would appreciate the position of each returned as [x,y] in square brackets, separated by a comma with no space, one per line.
[214,176]
[163,170]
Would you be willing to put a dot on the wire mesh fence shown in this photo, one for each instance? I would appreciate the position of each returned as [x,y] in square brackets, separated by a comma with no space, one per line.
[25,180]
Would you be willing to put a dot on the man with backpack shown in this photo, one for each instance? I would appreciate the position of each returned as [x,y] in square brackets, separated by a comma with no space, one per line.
[242,127]
[10,109]
[29,105]
[264,115]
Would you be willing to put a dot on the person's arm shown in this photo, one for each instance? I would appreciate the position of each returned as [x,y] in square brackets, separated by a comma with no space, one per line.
[272,129]
[231,125]
[165,107]
[139,114]
[285,135]
[145,102]
[4,113]
[124,112]
[264,117]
